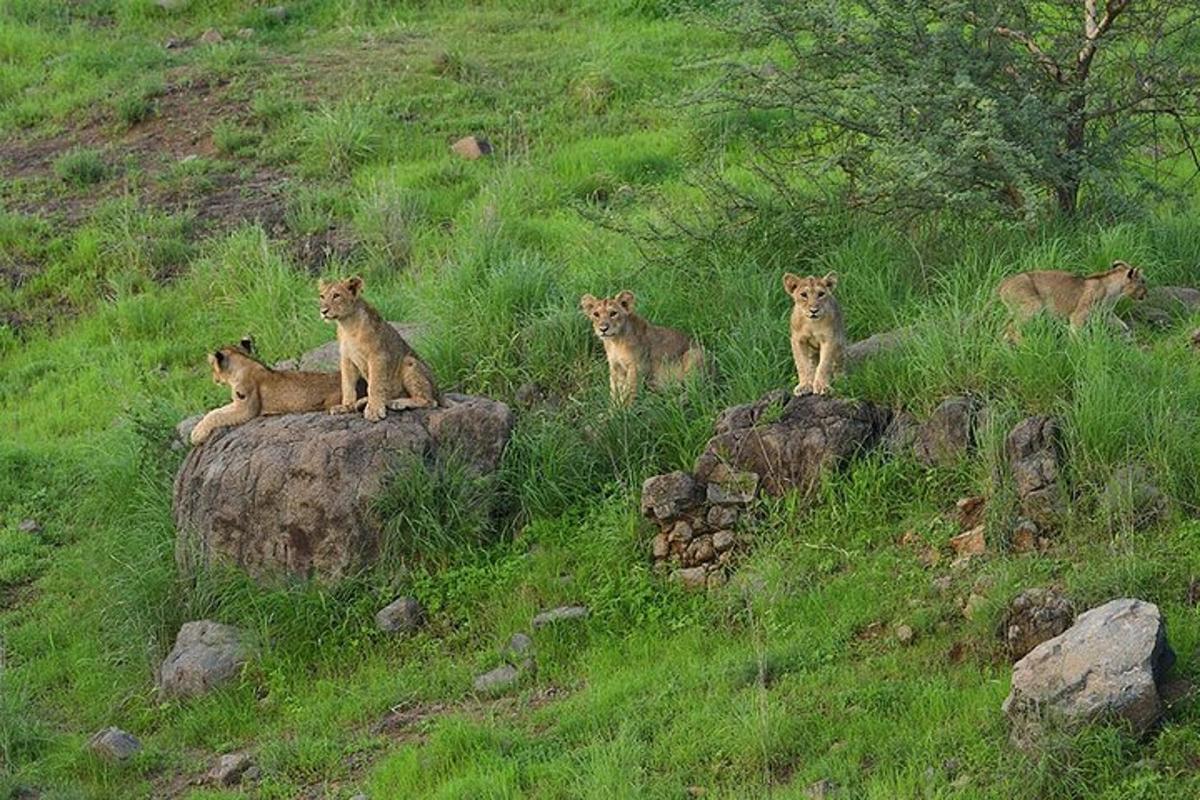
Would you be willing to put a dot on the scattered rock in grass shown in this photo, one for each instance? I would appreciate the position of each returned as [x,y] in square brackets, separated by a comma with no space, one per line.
[276,13]
[206,654]
[971,543]
[245,33]
[901,435]
[1035,458]
[691,577]
[1131,497]
[497,680]
[472,148]
[1034,616]
[29,525]
[723,540]
[291,495]
[230,769]
[727,486]
[942,584]
[820,790]
[530,394]
[114,744]
[1108,665]
[1163,305]
[520,646]
[721,517]
[402,615]
[1194,339]
[1024,536]
[211,36]
[666,497]
[874,345]
[905,635]
[949,433]
[173,43]
[171,5]
[973,605]
[970,512]
[560,614]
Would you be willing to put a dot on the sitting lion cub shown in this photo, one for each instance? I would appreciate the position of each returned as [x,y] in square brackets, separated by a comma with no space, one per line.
[370,348]
[636,347]
[1070,297]
[818,333]
[259,390]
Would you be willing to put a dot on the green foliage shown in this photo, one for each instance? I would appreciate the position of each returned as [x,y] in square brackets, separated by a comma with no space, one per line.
[81,167]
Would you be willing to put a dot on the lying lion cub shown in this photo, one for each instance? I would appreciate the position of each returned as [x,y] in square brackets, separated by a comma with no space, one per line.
[636,347]
[259,390]
[370,348]
[817,331]
[1070,297]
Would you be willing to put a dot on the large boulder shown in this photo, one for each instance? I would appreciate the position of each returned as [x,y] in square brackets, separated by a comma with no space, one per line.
[1035,458]
[206,654]
[788,442]
[1108,665]
[292,494]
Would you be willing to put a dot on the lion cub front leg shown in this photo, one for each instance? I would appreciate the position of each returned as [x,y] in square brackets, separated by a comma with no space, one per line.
[623,382]
[242,409]
[350,376]
[802,355]
[377,390]
[418,386]
[829,353]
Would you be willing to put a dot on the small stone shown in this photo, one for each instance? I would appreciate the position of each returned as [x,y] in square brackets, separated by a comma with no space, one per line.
[970,511]
[276,13]
[251,774]
[942,583]
[727,486]
[206,654]
[1024,536]
[402,615]
[472,148]
[973,605]
[691,578]
[723,540]
[820,790]
[520,646]
[114,744]
[701,551]
[359,796]
[661,546]
[497,680]
[230,769]
[29,526]
[560,614]
[904,635]
[682,532]
[529,394]
[171,5]
[245,33]
[722,517]
[667,496]
[971,543]
[172,44]
[211,36]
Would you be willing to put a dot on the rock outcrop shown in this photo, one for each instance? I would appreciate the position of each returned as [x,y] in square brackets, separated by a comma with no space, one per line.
[291,494]
[1035,458]
[1108,665]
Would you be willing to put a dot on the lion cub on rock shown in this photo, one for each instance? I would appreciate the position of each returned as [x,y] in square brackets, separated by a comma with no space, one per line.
[370,348]
[636,347]
[1070,297]
[259,390]
[818,333]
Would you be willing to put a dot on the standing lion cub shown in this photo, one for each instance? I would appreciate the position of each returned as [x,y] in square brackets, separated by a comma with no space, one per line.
[259,390]
[1070,297]
[370,348]
[636,347]
[818,332]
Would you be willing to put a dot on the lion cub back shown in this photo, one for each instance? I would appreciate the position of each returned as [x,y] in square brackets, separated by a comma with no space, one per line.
[278,391]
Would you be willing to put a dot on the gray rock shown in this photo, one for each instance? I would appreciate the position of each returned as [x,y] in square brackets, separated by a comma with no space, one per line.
[730,487]
[230,769]
[1034,616]
[949,433]
[691,578]
[501,678]
[560,614]
[722,517]
[402,615]
[183,431]
[114,744]
[245,33]
[325,358]
[668,496]
[1108,665]
[723,540]
[1164,305]
[1131,497]
[821,790]
[789,442]
[520,645]
[29,526]
[472,148]
[206,654]
[900,438]
[291,495]
[277,13]
[211,36]
[874,345]
[905,634]
[1035,458]
[171,5]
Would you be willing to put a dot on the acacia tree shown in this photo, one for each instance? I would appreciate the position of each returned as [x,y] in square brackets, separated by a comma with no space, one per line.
[996,105]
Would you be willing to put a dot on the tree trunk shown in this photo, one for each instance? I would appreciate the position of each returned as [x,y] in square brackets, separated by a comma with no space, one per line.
[1067,189]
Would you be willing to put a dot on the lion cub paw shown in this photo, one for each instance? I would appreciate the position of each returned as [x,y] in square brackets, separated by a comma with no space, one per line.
[375,413]
[801,389]
[820,387]
[341,409]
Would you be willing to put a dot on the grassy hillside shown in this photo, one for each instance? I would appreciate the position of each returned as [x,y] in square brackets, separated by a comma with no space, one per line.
[158,201]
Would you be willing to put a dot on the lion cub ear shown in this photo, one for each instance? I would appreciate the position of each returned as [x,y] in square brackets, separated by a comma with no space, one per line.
[790,282]
[219,359]
[247,344]
[355,285]
[625,300]
[322,285]
[830,280]
[587,303]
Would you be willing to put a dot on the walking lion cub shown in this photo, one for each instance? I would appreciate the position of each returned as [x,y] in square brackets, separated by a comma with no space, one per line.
[1071,297]
[370,348]
[818,332]
[259,390]
[636,347]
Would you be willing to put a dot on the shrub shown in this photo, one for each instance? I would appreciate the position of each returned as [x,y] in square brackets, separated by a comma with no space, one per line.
[81,167]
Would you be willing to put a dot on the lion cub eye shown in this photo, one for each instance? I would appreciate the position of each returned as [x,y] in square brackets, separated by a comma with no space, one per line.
[336,295]
[804,295]
[820,294]
[612,313]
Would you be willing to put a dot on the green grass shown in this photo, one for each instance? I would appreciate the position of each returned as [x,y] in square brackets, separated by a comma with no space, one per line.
[753,692]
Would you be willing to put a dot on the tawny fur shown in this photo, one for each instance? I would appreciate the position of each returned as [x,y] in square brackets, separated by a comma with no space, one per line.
[818,333]
[259,390]
[370,348]
[1074,298]
[636,348]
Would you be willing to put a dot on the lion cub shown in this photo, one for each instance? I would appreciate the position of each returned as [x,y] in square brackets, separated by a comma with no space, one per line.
[636,347]
[370,348]
[1070,297]
[818,333]
[259,390]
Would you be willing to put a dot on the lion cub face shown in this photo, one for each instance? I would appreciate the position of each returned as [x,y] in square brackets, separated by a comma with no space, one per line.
[230,363]
[610,317]
[1134,285]
[339,298]
[812,295]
